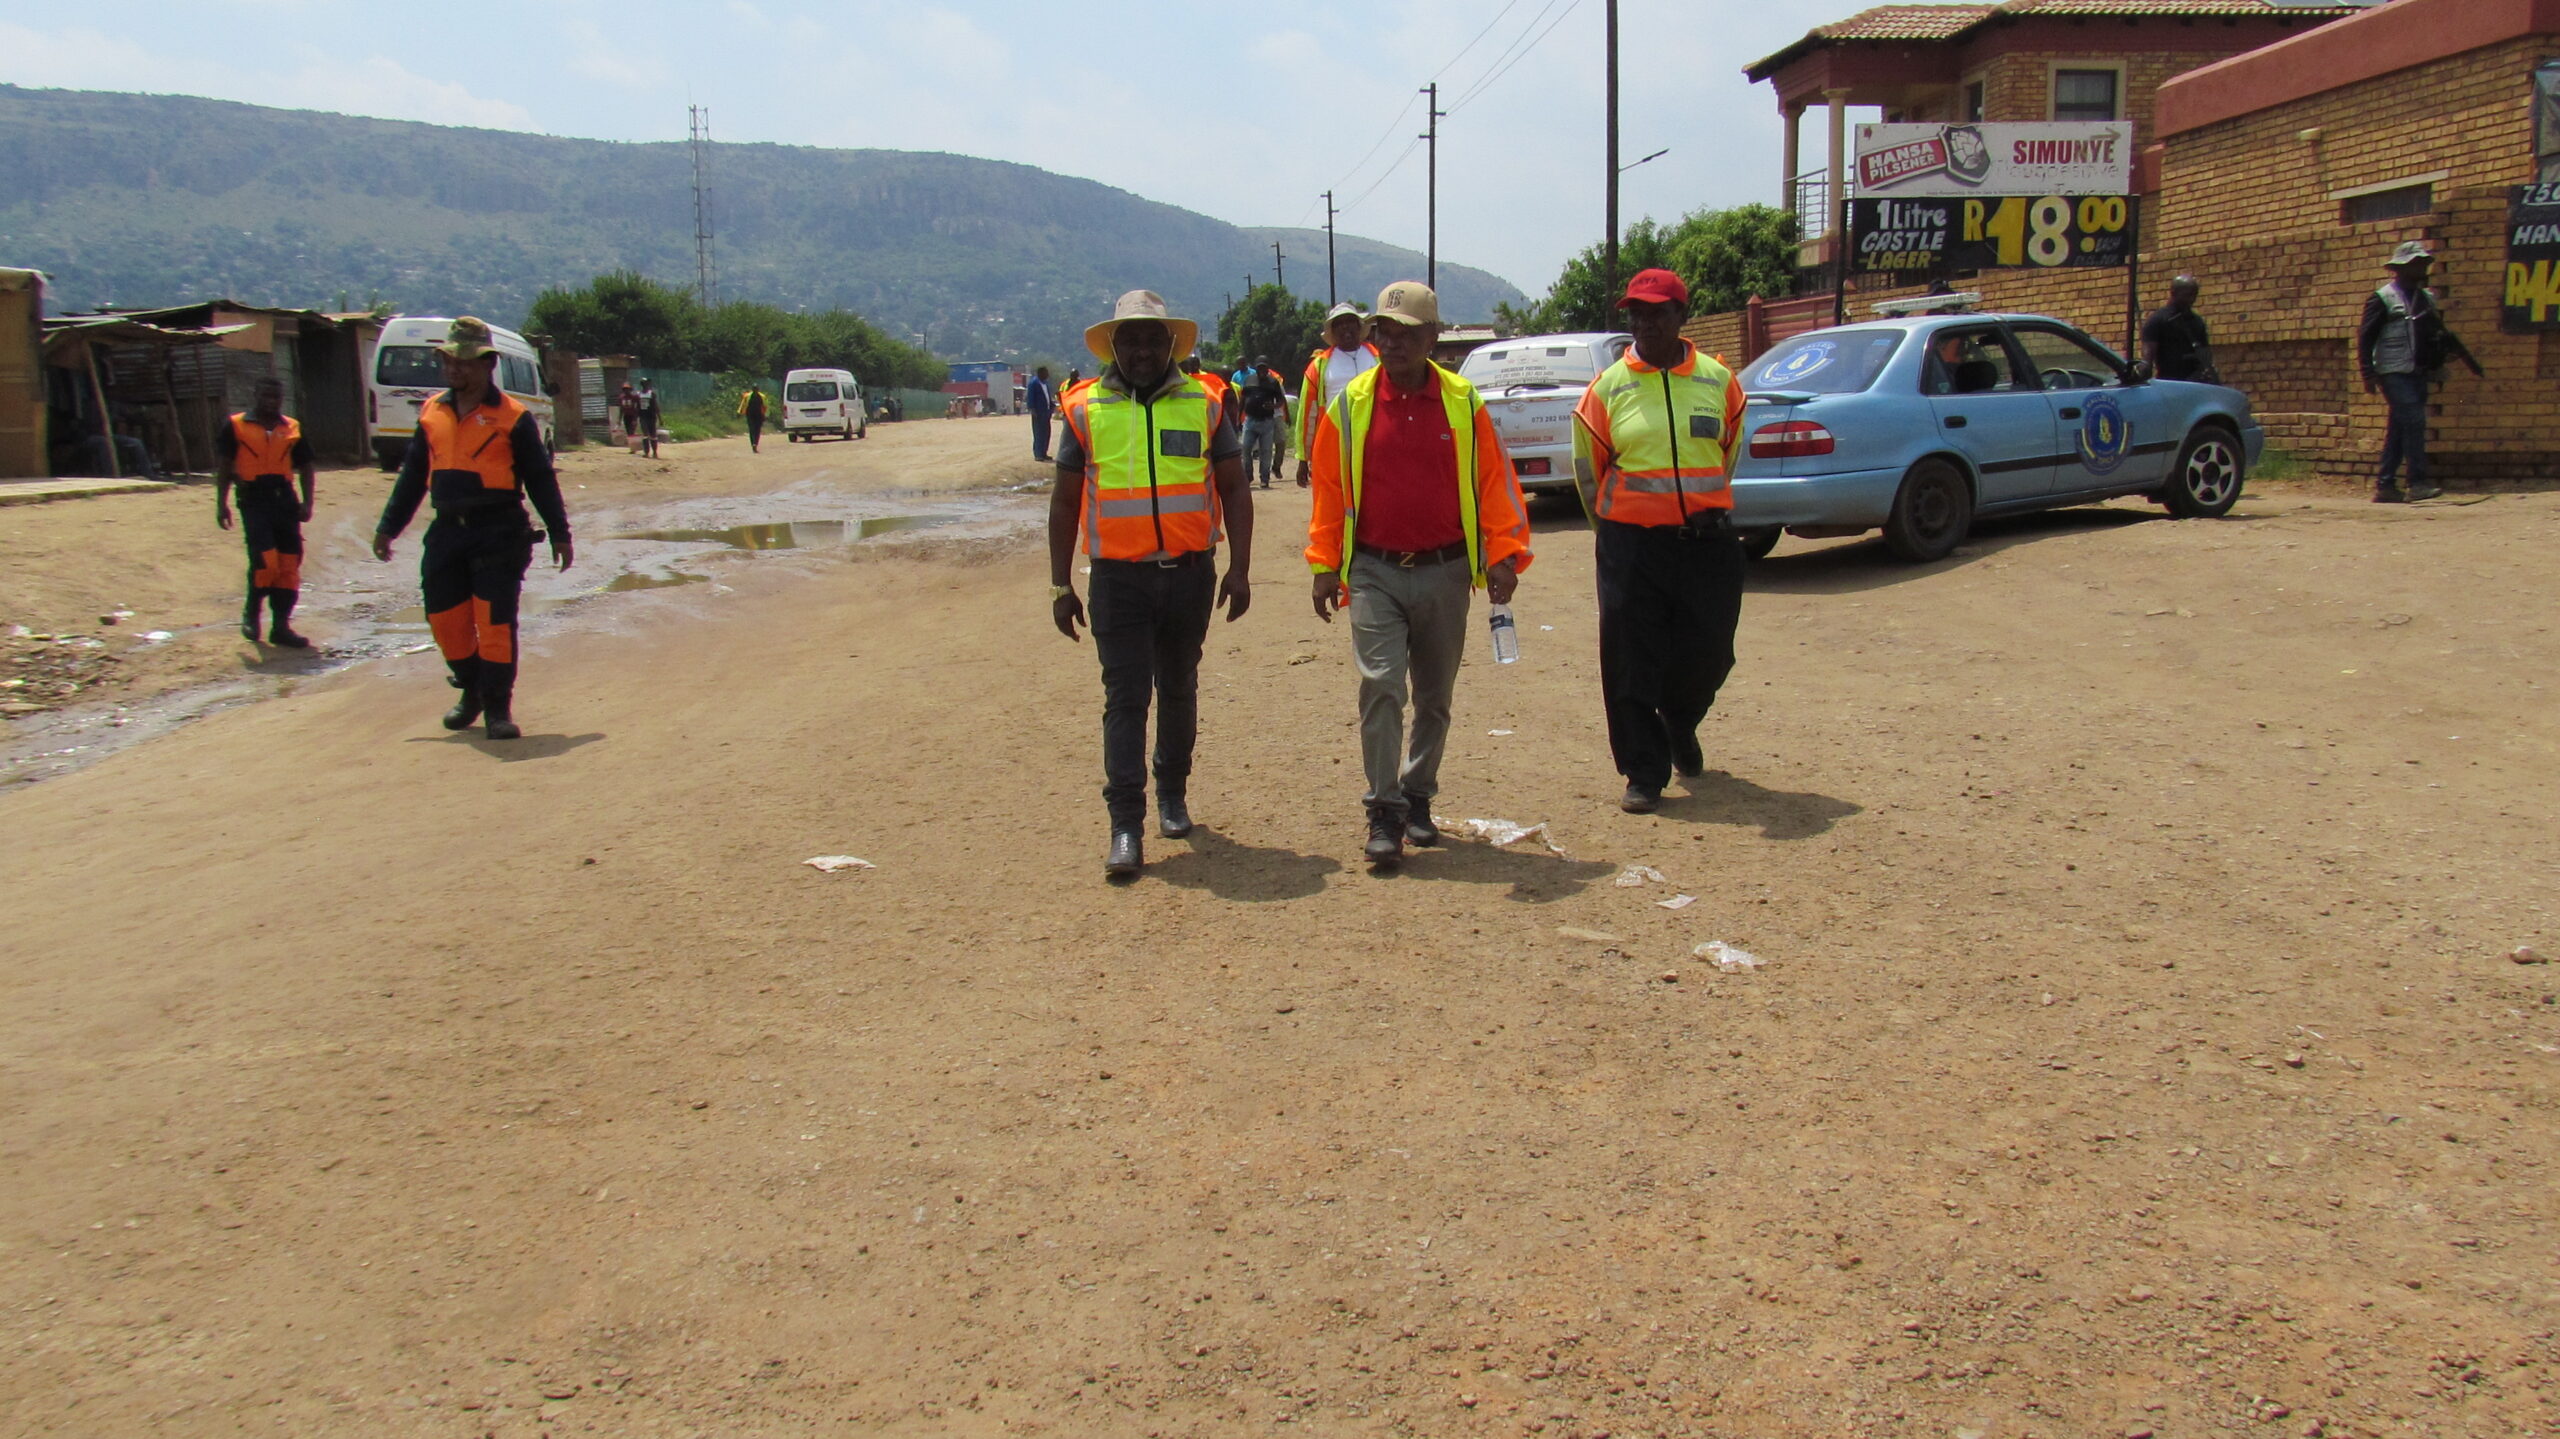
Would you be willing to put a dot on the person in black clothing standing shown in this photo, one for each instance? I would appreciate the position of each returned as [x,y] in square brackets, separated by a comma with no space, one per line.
[479,454]
[262,450]
[649,418]
[752,405]
[2174,339]
[1042,400]
[1266,420]
[2401,348]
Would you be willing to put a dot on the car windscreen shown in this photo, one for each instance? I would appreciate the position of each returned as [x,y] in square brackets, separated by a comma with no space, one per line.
[810,390]
[408,365]
[1827,362]
[1516,364]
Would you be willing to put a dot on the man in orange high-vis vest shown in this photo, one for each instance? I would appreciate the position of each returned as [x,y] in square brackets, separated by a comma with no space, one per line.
[479,453]
[1414,508]
[261,450]
[1148,474]
[1653,446]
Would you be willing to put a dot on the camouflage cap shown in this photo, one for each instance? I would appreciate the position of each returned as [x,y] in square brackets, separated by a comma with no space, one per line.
[469,339]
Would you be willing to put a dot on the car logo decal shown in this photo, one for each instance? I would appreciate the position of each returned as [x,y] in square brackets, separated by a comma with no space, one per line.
[1813,357]
[2104,436]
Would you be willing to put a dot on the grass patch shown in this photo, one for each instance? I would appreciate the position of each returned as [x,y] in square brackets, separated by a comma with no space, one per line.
[2275,463]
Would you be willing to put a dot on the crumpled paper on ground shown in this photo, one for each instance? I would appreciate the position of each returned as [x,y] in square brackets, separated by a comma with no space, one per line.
[832,863]
[1727,958]
[1636,874]
[1500,833]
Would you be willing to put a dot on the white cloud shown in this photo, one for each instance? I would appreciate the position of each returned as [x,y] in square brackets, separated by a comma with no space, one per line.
[82,59]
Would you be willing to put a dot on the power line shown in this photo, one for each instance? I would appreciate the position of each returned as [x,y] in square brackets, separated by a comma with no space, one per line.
[1480,34]
[1510,49]
[1383,175]
[1389,133]
[1383,137]
[1488,82]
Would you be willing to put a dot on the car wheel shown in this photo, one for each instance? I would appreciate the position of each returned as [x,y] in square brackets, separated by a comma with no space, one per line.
[865,432]
[1756,544]
[1932,512]
[2205,482]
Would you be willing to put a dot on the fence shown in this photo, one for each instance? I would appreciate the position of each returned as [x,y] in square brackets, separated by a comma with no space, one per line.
[678,388]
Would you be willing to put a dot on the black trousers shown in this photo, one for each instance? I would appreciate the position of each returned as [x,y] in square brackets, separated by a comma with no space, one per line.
[272,529]
[1668,608]
[471,575]
[755,432]
[1149,622]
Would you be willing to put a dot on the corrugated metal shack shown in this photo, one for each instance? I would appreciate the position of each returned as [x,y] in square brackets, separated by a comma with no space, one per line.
[174,395]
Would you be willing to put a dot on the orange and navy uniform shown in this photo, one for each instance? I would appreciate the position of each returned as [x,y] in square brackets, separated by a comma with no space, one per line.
[479,469]
[262,461]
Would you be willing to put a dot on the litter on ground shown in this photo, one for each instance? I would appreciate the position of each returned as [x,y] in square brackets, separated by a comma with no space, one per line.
[1677,901]
[1500,833]
[1636,874]
[831,863]
[1727,958]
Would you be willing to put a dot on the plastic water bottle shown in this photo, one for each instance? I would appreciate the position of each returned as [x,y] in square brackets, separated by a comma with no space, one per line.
[1506,635]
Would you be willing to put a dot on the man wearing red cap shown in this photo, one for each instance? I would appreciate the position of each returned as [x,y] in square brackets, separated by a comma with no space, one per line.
[1652,458]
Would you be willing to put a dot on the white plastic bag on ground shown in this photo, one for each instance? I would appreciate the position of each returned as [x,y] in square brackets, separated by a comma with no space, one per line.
[1727,958]
[1636,874]
[832,863]
[1500,833]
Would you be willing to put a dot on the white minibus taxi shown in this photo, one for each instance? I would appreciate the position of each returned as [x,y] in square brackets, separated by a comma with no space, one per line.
[407,372]
[823,402]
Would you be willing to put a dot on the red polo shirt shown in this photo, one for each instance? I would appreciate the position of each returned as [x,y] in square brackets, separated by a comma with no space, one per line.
[1409,471]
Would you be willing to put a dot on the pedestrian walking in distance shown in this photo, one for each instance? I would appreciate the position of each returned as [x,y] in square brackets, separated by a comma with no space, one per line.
[1148,473]
[752,405]
[262,451]
[1652,458]
[1266,420]
[2401,348]
[2175,339]
[478,455]
[1412,488]
[1042,400]
[1346,354]
[649,418]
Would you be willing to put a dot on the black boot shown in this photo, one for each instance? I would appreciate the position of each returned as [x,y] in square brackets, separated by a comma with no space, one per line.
[249,614]
[280,629]
[497,700]
[1687,760]
[1385,848]
[1419,830]
[466,678]
[1173,816]
[1128,854]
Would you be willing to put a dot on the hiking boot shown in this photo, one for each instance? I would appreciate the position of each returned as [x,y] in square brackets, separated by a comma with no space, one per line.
[1640,799]
[2389,495]
[1127,855]
[1687,760]
[1173,817]
[2424,492]
[249,619]
[465,712]
[1419,830]
[1385,848]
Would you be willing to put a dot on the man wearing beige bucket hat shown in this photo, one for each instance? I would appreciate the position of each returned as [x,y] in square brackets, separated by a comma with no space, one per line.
[478,454]
[1149,474]
[2401,348]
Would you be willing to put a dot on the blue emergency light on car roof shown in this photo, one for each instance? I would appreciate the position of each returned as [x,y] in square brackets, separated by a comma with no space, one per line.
[1959,303]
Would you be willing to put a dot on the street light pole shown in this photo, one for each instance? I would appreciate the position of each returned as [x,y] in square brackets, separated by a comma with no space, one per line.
[1330,297]
[1431,203]
[1609,249]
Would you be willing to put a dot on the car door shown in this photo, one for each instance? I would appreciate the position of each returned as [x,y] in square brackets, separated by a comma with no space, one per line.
[2114,434]
[1989,409]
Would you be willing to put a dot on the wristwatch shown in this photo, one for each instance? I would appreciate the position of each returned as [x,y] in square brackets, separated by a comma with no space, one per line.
[1060,592]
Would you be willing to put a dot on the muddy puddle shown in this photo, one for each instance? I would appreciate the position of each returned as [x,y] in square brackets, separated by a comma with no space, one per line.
[627,562]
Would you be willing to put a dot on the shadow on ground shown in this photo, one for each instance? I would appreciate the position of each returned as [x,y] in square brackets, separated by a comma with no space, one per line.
[512,751]
[1535,876]
[1211,861]
[1720,798]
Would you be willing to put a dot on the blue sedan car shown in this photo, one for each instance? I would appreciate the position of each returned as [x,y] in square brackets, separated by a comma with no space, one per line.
[1918,425]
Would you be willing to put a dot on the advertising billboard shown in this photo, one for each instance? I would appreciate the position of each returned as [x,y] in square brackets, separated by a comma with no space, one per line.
[2057,157]
[1933,235]
[2530,299]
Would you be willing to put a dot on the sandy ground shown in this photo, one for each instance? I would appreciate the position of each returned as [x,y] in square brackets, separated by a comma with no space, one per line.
[2138,1049]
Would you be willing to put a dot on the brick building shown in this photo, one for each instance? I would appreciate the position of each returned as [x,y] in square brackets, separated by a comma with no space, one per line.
[2010,61]
[2286,174]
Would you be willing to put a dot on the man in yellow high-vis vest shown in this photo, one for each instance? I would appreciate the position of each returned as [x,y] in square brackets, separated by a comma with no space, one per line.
[1653,443]
[1346,356]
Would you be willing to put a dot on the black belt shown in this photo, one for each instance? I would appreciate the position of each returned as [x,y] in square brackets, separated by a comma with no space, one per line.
[1186,558]
[476,516]
[1407,559]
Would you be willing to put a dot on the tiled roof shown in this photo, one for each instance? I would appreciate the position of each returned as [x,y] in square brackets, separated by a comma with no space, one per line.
[1949,22]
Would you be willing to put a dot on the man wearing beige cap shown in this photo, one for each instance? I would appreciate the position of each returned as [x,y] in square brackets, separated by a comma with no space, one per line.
[2401,349]
[1148,471]
[479,454]
[1415,507]
[1346,355]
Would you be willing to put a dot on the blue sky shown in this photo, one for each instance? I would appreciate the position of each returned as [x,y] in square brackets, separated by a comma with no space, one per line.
[1245,112]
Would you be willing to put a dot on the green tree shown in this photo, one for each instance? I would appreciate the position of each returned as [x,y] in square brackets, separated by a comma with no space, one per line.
[625,313]
[1269,322]
[620,312]
[1724,256]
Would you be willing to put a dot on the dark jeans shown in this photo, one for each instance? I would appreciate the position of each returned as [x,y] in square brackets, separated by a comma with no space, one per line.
[1148,624]
[755,432]
[1039,435]
[1668,610]
[2404,438]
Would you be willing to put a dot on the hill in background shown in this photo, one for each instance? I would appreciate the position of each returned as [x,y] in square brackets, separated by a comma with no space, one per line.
[152,199]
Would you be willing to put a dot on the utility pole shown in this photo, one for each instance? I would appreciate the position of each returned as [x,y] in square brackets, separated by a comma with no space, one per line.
[1330,297]
[1431,203]
[1609,249]
[1279,276]
[705,286]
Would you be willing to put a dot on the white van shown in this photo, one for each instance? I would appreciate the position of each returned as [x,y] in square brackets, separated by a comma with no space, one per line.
[823,402]
[407,372]
[1530,386]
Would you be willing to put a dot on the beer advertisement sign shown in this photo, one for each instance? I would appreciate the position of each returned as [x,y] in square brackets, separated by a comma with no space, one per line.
[2530,299]
[1931,235]
[2058,157]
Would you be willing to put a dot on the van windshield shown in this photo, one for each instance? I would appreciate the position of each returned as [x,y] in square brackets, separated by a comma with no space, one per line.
[810,390]
[1532,364]
[1826,362]
[408,365]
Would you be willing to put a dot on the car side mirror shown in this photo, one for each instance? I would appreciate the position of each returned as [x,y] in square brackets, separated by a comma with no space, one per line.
[2140,374]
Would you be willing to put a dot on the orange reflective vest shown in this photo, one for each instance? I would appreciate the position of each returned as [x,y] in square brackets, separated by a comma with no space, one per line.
[1493,517]
[1147,494]
[471,459]
[263,454]
[1314,393]
[1653,447]
[1222,395]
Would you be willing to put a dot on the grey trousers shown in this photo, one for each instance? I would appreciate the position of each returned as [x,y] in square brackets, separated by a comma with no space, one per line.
[1408,630]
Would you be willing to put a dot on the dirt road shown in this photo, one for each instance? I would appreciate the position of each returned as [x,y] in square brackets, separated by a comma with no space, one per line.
[2137,1050]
